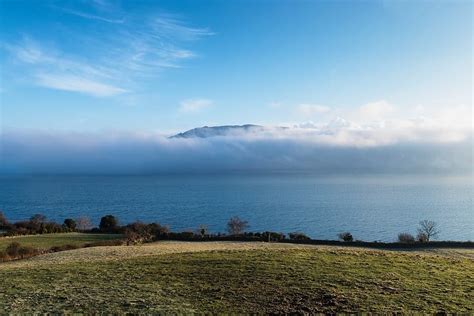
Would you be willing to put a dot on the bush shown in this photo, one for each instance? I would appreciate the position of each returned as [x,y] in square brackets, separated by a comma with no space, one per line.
[273,236]
[298,236]
[108,224]
[138,232]
[13,249]
[406,238]
[422,237]
[346,236]
[70,224]
[16,251]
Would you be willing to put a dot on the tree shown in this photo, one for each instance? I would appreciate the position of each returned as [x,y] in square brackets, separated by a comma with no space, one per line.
[70,224]
[3,220]
[83,223]
[38,219]
[428,230]
[236,226]
[345,236]
[108,224]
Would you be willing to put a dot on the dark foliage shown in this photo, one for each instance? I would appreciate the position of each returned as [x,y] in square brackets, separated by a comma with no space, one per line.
[298,236]
[109,224]
[406,238]
[70,224]
[16,251]
[346,236]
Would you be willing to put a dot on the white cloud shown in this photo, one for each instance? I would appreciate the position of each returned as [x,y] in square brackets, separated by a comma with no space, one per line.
[312,109]
[375,111]
[338,151]
[131,48]
[78,84]
[194,105]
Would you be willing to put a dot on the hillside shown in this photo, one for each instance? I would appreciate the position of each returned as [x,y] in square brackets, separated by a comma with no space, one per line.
[239,277]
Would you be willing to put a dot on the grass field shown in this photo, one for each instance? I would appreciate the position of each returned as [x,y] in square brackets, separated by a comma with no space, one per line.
[51,240]
[238,277]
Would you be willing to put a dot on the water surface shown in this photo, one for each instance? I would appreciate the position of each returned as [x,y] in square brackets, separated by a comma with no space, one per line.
[371,207]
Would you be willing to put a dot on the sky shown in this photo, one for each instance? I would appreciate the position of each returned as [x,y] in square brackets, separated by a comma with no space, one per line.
[83,74]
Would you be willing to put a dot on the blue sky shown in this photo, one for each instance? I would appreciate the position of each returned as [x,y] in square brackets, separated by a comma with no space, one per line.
[86,66]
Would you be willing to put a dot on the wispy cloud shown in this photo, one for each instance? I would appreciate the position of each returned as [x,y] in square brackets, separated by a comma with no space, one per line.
[194,105]
[92,16]
[173,28]
[78,84]
[132,48]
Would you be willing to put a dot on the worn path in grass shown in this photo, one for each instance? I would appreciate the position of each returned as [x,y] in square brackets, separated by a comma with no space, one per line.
[238,277]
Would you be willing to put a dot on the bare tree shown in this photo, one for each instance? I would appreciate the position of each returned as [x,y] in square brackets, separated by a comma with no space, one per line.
[236,226]
[427,230]
[83,223]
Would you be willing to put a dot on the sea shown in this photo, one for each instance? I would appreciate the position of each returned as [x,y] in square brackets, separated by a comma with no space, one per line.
[371,207]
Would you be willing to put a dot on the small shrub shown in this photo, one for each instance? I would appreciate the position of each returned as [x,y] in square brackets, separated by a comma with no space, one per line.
[298,236]
[406,238]
[272,236]
[422,237]
[346,236]
[13,249]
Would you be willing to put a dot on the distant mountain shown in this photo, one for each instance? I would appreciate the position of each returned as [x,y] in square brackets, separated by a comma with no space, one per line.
[226,130]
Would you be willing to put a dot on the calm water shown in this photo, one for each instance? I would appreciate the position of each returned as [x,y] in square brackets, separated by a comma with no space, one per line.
[372,208]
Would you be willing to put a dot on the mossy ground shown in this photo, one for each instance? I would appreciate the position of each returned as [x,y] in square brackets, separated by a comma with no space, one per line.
[254,280]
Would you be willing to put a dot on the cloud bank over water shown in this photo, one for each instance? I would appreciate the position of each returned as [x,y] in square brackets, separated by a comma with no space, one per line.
[423,145]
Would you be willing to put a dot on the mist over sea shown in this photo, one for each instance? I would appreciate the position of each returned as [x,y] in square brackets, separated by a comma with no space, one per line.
[375,207]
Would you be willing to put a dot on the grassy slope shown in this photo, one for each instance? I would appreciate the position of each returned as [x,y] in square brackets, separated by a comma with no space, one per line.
[258,279]
[50,240]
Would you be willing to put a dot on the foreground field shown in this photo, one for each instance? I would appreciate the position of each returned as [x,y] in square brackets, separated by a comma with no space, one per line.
[239,277]
[52,240]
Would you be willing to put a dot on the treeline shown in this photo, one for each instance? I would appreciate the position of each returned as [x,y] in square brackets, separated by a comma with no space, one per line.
[139,232]
[37,224]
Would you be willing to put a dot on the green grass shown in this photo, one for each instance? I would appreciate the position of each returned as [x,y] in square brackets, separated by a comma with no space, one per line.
[50,240]
[251,281]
